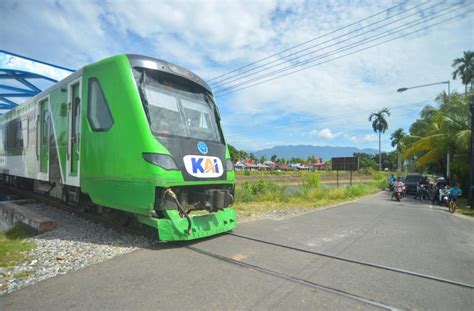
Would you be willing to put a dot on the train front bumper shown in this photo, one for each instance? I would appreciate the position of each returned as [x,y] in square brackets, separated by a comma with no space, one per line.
[174,228]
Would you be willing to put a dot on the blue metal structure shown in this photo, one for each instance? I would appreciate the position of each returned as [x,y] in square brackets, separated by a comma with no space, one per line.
[23,78]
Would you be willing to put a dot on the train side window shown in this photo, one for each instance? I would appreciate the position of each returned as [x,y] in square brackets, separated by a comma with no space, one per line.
[14,138]
[99,115]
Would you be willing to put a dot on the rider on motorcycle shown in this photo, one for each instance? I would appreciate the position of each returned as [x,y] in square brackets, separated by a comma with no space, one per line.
[422,188]
[440,184]
[391,181]
[398,187]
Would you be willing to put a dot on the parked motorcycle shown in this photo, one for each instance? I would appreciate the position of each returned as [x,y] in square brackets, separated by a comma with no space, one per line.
[444,196]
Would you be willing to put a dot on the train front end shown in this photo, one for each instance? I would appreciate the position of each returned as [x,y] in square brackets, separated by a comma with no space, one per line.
[193,175]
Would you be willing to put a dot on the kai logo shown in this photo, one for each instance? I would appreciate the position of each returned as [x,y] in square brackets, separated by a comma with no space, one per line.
[203,166]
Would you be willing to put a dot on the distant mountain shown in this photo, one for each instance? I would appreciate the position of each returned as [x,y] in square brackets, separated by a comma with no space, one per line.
[305,151]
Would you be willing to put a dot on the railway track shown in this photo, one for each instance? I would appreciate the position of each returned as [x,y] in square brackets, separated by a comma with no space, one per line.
[141,230]
[363,263]
[294,279]
[323,287]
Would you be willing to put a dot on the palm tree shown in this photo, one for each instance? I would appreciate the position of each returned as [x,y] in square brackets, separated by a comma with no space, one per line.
[464,68]
[380,125]
[443,129]
[397,141]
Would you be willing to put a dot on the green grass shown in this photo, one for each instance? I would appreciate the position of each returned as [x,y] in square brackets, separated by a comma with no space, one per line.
[264,195]
[22,275]
[13,247]
[463,209]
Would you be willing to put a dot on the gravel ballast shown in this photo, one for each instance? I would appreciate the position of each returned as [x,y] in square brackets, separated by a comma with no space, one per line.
[75,244]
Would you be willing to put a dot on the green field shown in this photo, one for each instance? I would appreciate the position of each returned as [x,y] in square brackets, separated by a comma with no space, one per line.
[265,194]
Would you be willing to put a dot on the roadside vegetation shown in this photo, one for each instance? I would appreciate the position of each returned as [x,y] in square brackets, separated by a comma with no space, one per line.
[463,208]
[443,129]
[14,247]
[265,195]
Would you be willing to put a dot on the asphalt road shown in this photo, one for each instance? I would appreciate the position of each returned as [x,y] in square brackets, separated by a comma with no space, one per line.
[408,235]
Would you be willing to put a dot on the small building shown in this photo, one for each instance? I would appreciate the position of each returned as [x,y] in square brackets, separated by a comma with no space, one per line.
[271,165]
[262,167]
[239,166]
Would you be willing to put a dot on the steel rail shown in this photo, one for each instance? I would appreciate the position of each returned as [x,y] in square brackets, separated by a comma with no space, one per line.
[359,262]
[293,279]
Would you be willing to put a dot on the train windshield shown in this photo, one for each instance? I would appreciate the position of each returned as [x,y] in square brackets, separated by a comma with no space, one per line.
[177,109]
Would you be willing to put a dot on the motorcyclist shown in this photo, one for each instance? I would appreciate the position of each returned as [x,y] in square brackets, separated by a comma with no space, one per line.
[422,187]
[440,184]
[391,181]
[398,184]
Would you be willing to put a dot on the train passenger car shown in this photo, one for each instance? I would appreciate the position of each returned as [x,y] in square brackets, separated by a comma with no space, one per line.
[130,136]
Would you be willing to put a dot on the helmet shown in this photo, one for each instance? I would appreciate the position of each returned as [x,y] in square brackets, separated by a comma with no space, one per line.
[441,179]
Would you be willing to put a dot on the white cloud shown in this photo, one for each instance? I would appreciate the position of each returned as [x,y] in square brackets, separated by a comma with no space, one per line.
[213,37]
[325,133]
[360,140]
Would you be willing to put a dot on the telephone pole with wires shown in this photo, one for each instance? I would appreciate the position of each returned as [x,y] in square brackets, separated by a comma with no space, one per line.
[470,194]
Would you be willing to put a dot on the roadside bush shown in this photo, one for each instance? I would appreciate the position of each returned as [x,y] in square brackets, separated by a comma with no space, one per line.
[377,175]
[355,191]
[260,191]
[311,179]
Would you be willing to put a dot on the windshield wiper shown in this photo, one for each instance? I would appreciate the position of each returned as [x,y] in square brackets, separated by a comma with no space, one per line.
[142,92]
[213,106]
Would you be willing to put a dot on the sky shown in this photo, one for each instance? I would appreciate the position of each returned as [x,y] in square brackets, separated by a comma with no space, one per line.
[327,104]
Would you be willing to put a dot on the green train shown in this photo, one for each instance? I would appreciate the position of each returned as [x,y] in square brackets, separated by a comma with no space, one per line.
[130,136]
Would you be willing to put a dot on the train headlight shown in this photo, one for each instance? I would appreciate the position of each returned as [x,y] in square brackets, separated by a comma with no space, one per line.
[162,160]
[229,164]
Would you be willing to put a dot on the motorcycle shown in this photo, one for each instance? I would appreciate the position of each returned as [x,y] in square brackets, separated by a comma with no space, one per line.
[424,192]
[390,185]
[444,196]
[398,193]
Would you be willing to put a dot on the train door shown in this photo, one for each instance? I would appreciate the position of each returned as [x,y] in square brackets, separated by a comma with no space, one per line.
[44,129]
[74,133]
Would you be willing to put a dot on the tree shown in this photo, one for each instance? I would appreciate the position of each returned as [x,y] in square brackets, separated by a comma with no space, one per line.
[397,142]
[235,154]
[366,161]
[274,158]
[442,130]
[380,125]
[464,68]
[296,160]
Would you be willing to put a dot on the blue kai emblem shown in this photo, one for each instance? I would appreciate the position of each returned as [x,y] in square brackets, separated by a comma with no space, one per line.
[202,147]
[203,166]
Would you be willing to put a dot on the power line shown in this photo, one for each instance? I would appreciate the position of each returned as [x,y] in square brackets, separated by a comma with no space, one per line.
[341,56]
[311,40]
[228,85]
[333,118]
[340,49]
[282,60]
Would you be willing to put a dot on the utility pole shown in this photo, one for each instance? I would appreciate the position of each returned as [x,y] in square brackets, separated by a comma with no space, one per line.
[471,155]
[448,160]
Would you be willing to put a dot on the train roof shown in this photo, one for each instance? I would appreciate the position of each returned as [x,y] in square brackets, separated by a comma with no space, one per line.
[135,61]
[162,65]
